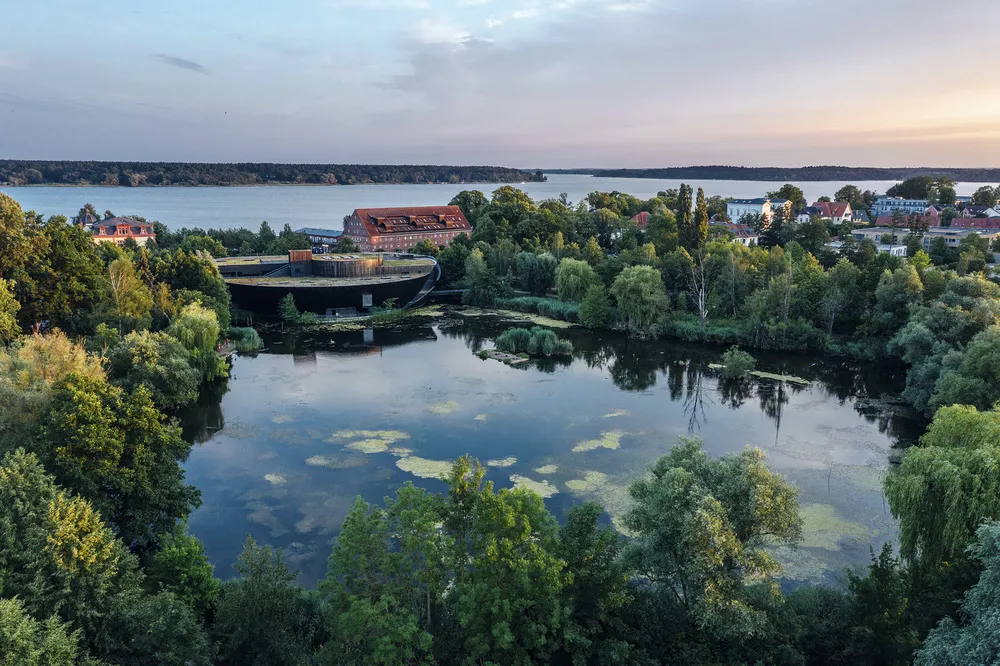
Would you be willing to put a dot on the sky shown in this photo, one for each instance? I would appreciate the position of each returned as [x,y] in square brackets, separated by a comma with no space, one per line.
[525,83]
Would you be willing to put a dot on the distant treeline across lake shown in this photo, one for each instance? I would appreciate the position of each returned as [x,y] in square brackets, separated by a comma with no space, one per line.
[141,174]
[783,174]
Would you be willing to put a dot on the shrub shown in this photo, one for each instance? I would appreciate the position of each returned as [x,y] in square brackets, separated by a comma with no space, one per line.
[245,339]
[642,299]
[737,363]
[535,342]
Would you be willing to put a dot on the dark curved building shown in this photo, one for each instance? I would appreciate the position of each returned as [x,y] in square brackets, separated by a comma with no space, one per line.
[328,284]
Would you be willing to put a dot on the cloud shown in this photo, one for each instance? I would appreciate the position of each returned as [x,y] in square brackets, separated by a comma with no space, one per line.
[180,63]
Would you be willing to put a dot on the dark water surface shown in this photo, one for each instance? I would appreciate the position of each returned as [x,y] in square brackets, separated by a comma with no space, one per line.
[313,421]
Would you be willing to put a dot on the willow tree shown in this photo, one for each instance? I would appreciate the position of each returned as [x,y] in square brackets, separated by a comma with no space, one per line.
[946,488]
[642,299]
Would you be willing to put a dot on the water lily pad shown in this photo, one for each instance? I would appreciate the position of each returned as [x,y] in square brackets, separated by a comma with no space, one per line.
[591,482]
[821,528]
[423,468]
[275,479]
[502,462]
[443,408]
[389,435]
[547,469]
[543,488]
[610,439]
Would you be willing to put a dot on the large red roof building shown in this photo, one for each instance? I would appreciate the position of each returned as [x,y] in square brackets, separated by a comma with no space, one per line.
[119,229]
[399,229]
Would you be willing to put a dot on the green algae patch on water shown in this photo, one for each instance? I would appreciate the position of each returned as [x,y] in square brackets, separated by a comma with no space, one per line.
[502,462]
[443,408]
[337,462]
[547,469]
[610,439]
[543,488]
[768,375]
[614,413]
[482,418]
[591,482]
[388,435]
[821,528]
[275,479]
[423,468]
[370,445]
[801,565]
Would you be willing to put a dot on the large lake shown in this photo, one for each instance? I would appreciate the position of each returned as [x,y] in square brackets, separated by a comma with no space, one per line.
[313,421]
[326,206]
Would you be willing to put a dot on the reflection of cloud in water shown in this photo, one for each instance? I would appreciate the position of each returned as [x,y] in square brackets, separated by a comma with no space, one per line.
[282,418]
[615,413]
[337,461]
[287,436]
[275,479]
[237,429]
[482,418]
[322,513]
[263,514]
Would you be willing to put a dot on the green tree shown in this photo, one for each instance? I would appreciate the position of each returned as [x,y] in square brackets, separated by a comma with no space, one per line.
[133,300]
[181,567]
[56,553]
[592,252]
[14,241]
[452,261]
[263,617]
[160,363]
[9,329]
[699,230]
[573,279]
[594,308]
[197,329]
[26,642]
[471,202]
[535,272]
[115,450]
[686,233]
[195,278]
[938,493]
[153,629]
[881,633]
[483,285]
[702,526]
[791,193]
[641,298]
[895,292]
[984,196]
[975,639]
[425,247]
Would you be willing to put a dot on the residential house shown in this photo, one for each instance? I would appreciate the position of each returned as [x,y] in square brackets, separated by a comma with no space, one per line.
[766,208]
[117,230]
[321,238]
[743,234]
[832,211]
[859,217]
[641,220]
[399,229]
[979,211]
[891,249]
[928,220]
[886,206]
[975,223]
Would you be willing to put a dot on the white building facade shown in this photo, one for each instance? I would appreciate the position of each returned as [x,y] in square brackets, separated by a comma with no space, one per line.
[886,206]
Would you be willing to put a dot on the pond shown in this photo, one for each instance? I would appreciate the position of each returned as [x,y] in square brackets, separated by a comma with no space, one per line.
[313,421]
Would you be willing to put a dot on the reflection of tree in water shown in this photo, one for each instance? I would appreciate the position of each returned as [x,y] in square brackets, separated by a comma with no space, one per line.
[694,398]
[773,398]
[202,419]
[735,392]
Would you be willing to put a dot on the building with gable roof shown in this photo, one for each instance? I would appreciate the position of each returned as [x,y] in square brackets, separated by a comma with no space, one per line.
[399,229]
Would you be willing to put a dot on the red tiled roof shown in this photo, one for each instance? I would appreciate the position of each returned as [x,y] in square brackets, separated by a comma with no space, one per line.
[641,220]
[976,223]
[110,227]
[929,220]
[832,209]
[741,230]
[387,221]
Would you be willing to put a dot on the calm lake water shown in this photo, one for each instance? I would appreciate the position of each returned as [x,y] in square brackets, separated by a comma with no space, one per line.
[297,437]
[325,207]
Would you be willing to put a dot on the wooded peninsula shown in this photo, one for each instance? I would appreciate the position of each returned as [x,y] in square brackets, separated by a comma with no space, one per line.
[189,174]
[791,174]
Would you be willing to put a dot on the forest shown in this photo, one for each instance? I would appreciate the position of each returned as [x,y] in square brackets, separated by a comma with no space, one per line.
[148,174]
[793,174]
[100,346]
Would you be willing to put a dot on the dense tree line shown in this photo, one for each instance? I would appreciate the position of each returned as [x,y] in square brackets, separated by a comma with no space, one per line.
[801,174]
[143,174]
[97,566]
